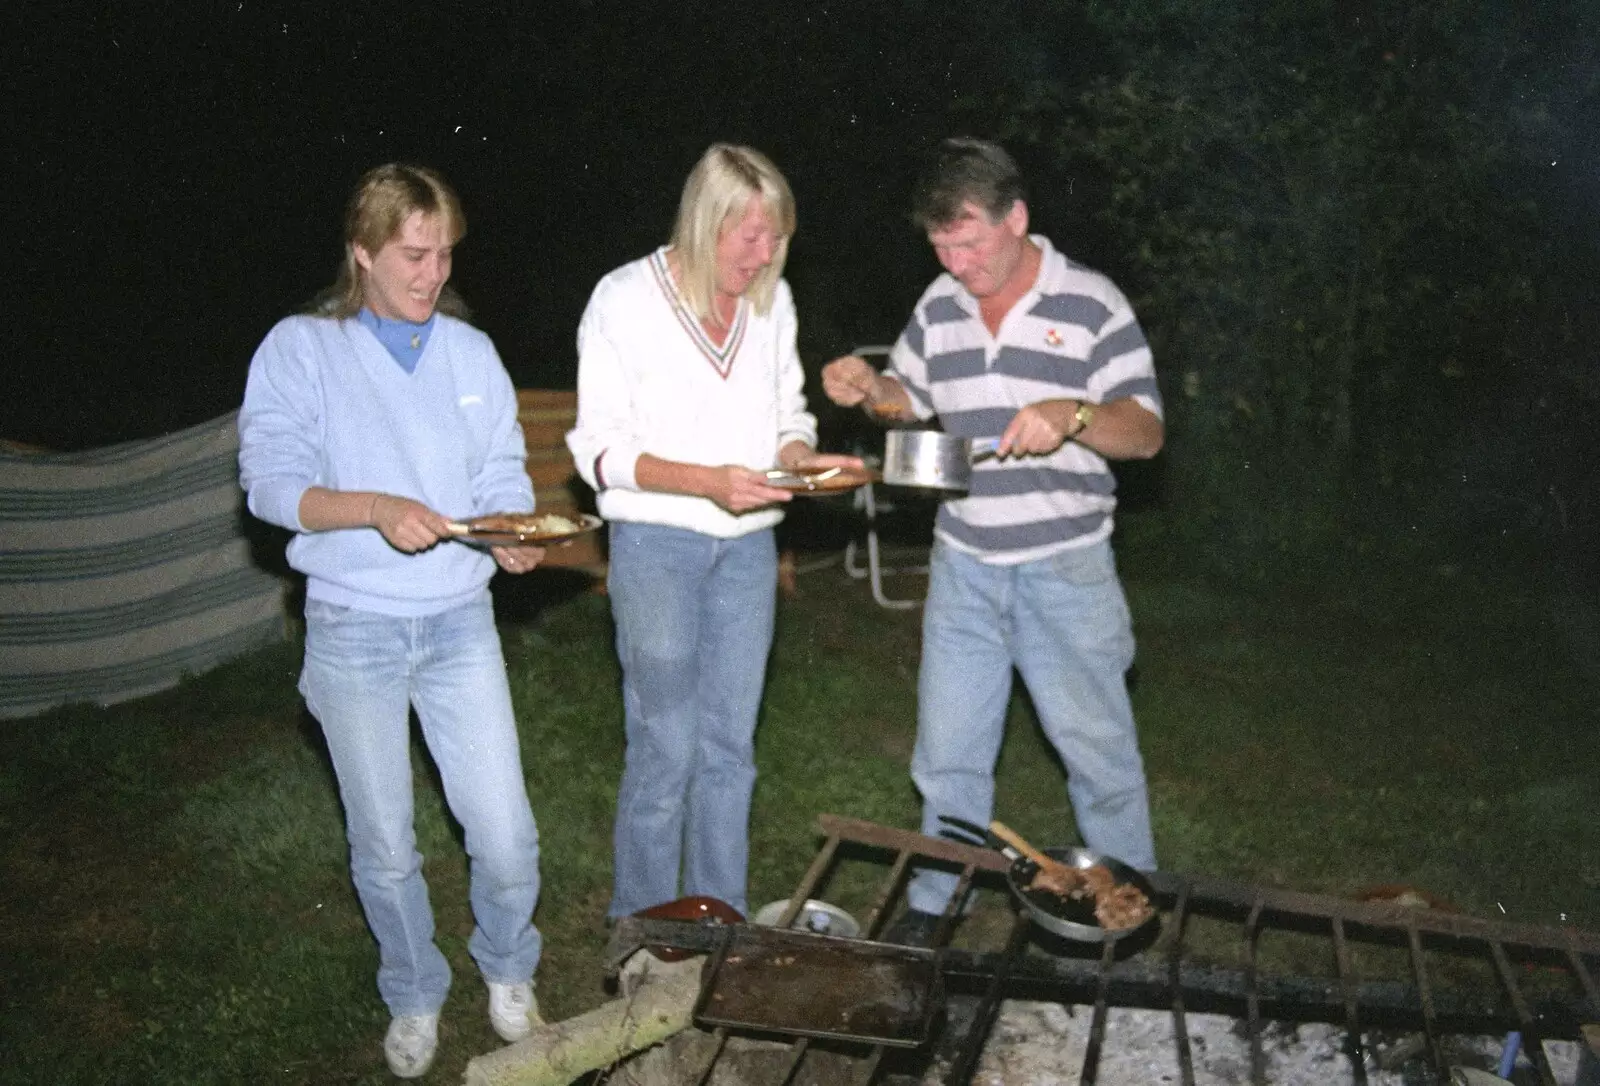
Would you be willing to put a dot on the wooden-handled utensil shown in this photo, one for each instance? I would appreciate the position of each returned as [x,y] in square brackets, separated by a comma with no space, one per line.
[1016,841]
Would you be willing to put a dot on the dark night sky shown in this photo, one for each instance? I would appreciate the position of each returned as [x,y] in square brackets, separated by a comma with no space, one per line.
[181,178]
[175,180]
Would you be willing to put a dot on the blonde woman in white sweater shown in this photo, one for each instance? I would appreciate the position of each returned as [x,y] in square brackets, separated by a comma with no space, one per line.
[689,389]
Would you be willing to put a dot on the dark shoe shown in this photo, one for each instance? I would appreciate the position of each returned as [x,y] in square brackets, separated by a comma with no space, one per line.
[914,928]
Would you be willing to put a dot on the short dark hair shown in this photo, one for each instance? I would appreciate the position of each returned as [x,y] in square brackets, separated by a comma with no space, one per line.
[962,170]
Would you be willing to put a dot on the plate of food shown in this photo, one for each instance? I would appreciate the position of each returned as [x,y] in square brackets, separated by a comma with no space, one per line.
[525,529]
[819,480]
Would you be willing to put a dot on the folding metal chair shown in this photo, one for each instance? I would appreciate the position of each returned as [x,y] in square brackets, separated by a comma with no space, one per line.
[866,501]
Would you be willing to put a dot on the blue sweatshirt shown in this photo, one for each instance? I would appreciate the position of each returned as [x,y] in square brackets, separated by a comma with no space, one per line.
[325,405]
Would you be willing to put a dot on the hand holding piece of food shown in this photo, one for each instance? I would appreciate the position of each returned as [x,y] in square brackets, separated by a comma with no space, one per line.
[851,381]
[848,381]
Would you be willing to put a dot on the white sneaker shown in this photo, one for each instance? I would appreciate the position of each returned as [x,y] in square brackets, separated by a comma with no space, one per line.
[513,1012]
[410,1044]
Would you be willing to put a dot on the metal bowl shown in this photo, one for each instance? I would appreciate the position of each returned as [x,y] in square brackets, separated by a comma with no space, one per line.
[814,916]
[927,458]
[1074,919]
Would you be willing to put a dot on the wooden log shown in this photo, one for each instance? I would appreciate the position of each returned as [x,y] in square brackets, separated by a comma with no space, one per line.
[658,1002]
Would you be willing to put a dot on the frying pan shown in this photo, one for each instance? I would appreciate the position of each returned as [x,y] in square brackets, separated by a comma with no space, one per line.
[1063,916]
[1070,919]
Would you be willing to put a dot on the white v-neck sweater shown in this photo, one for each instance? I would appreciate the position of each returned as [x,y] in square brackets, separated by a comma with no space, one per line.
[650,382]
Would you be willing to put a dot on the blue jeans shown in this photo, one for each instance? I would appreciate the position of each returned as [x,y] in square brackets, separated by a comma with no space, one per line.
[363,671]
[694,619]
[1063,623]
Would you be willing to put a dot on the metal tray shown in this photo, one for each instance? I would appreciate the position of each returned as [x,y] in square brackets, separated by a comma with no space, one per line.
[801,984]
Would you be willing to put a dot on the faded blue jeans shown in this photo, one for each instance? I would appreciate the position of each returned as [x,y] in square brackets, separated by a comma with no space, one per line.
[363,673]
[1063,623]
[694,617]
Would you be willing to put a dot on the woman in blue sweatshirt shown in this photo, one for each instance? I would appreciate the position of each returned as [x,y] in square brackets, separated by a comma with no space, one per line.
[367,427]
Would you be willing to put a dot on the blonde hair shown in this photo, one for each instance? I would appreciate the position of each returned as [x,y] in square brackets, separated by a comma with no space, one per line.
[384,198]
[716,195]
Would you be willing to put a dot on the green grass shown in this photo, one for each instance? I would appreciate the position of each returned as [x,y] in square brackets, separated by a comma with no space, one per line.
[176,906]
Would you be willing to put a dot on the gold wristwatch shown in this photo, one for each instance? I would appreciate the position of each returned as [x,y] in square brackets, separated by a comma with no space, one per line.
[1085,415]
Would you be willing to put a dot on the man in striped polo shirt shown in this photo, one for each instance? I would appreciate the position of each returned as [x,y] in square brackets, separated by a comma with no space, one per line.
[1016,340]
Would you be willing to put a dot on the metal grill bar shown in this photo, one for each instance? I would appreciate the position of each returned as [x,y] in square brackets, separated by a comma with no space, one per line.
[1097,1027]
[878,915]
[1352,1023]
[720,1037]
[1258,1059]
[721,1041]
[1530,1037]
[809,881]
[989,1008]
[1430,1022]
[1585,978]
[1301,911]
[952,909]
[1180,1026]
[1387,1004]
[797,1055]
[870,1071]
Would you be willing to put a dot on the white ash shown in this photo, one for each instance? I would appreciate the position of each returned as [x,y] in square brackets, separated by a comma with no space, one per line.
[1042,1044]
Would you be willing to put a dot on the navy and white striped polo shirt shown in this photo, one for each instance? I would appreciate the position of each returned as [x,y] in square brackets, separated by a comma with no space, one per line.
[1072,336]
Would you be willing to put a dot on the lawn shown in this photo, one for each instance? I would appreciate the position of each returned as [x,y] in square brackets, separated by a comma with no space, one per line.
[176,906]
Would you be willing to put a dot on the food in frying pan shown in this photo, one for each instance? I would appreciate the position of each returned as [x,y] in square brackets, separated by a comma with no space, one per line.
[526,524]
[1116,907]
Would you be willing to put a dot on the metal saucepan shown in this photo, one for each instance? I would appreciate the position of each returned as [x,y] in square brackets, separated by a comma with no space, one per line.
[932,459]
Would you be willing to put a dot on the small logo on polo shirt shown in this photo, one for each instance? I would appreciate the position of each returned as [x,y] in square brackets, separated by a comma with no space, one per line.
[1053,338]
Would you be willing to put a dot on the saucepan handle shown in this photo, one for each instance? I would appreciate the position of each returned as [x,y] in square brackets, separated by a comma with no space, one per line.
[981,448]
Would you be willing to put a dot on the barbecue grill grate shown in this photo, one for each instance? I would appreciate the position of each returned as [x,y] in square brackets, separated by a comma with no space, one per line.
[1459,975]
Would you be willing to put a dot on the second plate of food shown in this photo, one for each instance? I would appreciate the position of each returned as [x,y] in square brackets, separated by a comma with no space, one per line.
[819,480]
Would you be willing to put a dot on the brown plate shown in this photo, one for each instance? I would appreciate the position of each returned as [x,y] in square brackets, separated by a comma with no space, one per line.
[512,529]
[697,908]
[819,480]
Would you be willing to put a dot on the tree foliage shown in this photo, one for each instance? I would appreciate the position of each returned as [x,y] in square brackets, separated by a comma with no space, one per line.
[1324,221]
